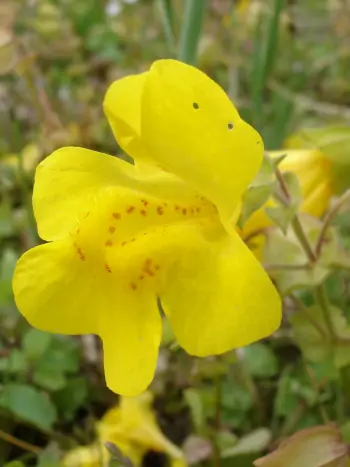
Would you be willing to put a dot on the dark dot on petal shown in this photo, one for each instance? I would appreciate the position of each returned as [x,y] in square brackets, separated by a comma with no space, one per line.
[195,105]
[230,126]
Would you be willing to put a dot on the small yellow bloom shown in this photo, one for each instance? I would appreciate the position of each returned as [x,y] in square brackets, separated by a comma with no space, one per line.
[29,157]
[133,428]
[121,236]
[315,177]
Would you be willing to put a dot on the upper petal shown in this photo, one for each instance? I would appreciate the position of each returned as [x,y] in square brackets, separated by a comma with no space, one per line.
[177,117]
[68,181]
[64,184]
[218,297]
[191,128]
[122,107]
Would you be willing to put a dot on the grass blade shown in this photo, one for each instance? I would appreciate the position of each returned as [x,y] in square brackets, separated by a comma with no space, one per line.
[191,30]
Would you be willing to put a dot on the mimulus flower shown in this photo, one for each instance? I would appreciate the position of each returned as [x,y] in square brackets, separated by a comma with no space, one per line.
[314,173]
[121,236]
[133,428]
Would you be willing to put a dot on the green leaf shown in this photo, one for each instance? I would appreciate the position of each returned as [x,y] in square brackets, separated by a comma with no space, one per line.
[281,216]
[194,402]
[62,354]
[345,431]
[259,190]
[260,360]
[314,340]
[294,387]
[15,362]
[71,397]
[287,264]
[236,403]
[191,30]
[29,404]
[256,441]
[35,343]
[333,141]
[225,440]
[49,377]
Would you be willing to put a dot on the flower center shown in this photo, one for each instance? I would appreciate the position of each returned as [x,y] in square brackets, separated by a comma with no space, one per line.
[122,231]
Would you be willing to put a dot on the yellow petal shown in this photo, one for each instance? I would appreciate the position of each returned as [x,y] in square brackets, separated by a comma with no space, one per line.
[191,128]
[131,335]
[68,181]
[86,456]
[188,126]
[122,106]
[218,297]
[314,173]
[134,422]
[50,290]
[61,288]
[65,183]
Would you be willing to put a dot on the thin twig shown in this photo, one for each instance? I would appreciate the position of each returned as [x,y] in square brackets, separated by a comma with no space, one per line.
[304,241]
[19,443]
[318,389]
[329,219]
[300,305]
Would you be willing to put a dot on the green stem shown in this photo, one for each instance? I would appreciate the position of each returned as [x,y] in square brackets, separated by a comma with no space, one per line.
[167,15]
[246,379]
[191,30]
[218,397]
[304,241]
[321,298]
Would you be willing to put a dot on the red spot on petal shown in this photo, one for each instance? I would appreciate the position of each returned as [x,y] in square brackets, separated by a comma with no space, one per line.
[144,202]
[184,211]
[165,205]
[111,229]
[160,210]
[177,208]
[148,261]
[81,254]
[192,211]
[198,209]
[143,212]
[124,243]
[157,267]
[141,277]
[132,240]
[133,286]
[116,215]
[108,269]
[148,272]
[130,209]
[109,242]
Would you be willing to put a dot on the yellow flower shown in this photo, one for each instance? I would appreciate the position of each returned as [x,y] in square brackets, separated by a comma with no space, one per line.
[133,428]
[315,177]
[121,236]
[30,156]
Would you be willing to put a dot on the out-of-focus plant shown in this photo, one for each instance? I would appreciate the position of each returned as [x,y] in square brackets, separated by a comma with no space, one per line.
[131,427]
